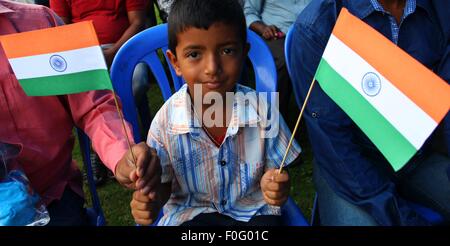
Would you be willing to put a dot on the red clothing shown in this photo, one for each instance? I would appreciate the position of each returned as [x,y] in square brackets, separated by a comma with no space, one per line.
[43,125]
[110,17]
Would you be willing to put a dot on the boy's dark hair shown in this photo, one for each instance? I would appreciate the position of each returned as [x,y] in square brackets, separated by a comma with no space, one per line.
[202,14]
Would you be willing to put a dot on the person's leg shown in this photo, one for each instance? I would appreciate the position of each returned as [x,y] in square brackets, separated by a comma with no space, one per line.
[140,88]
[334,210]
[429,184]
[283,82]
[68,211]
[99,170]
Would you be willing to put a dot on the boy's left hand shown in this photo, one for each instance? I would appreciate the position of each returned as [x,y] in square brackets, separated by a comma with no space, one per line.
[275,187]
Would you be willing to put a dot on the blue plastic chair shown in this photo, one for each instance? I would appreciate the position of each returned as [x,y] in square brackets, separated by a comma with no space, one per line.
[144,48]
[95,213]
[431,215]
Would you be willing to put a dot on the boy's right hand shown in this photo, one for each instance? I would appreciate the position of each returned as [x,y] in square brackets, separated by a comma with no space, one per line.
[144,208]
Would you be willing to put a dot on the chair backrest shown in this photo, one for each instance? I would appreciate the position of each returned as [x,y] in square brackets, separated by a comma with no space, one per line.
[95,214]
[432,216]
[144,48]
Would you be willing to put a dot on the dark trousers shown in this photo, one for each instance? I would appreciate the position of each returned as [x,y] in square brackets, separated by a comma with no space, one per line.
[216,219]
[68,211]
[284,82]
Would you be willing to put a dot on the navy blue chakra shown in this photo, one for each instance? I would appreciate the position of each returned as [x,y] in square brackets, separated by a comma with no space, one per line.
[58,63]
[371,84]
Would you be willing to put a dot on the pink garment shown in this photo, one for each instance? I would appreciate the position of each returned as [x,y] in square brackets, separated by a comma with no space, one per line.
[43,126]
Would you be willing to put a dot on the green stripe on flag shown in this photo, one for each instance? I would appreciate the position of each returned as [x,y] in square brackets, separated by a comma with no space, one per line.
[394,146]
[67,83]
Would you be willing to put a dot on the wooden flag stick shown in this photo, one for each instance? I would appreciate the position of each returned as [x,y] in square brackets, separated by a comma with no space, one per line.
[124,128]
[296,125]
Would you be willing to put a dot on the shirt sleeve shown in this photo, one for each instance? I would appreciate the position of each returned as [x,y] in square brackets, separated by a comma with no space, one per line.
[95,113]
[253,10]
[134,5]
[154,140]
[61,8]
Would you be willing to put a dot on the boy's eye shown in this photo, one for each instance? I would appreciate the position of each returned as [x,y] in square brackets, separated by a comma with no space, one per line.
[193,55]
[228,51]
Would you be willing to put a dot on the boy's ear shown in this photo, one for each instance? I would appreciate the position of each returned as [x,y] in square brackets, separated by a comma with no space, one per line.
[246,49]
[174,61]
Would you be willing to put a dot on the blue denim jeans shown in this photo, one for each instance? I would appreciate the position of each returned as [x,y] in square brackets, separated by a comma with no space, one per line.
[426,183]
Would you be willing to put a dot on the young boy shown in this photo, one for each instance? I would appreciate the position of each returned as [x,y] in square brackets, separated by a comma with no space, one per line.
[213,174]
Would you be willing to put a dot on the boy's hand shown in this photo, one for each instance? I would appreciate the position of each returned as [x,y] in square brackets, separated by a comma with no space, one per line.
[146,175]
[275,187]
[144,208]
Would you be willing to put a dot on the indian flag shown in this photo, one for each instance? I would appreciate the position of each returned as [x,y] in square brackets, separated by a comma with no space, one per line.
[59,60]
[396,101]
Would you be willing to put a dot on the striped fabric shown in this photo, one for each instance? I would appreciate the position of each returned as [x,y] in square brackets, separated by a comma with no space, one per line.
[393,98]
[59,60]
[206,178]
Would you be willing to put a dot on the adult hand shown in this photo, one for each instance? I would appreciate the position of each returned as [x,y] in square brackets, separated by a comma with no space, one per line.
[270,32]
[145,174]
[275,187]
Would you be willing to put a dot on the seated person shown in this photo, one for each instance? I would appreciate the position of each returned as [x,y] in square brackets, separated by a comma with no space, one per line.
[271,20]
[355,184]
[115,21]
[43,127]
[217,171]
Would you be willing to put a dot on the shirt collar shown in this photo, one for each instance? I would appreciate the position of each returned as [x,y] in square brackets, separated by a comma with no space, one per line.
[363,8]
[183,119]
[4,9]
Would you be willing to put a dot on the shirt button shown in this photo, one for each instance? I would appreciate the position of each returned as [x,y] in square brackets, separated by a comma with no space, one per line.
[223,163]
[314,114]
[223,202]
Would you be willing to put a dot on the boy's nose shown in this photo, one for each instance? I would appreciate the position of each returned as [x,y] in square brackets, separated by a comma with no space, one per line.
[212,65]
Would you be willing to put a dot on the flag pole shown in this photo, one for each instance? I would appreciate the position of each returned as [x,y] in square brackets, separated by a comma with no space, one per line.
[124,128]
[297,124]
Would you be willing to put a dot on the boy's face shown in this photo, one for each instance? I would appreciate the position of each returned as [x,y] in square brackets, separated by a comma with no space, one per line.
[212,58]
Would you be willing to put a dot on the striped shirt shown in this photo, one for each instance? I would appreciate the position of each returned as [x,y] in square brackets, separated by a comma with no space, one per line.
[206,178]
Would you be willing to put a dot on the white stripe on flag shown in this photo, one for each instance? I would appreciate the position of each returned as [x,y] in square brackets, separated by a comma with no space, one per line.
[408,118]
[79,60]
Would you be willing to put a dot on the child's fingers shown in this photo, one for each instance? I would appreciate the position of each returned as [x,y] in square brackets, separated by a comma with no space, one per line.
[141,206]
[139,197]
[274,195]
[142,217]
[283,177]
[274,202]
[274,186]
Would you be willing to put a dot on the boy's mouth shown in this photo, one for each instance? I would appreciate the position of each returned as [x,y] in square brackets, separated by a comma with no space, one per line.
[212,85]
